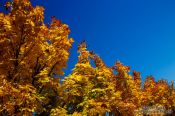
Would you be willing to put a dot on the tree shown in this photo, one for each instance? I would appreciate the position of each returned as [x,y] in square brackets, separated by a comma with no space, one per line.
[32,54]
[89,90]
[159,94]
[32,58]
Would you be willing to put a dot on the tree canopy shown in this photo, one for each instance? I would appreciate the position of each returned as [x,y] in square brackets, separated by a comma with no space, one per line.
[32,57]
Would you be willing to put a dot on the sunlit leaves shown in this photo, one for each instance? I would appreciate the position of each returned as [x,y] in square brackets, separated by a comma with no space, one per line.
[96,90]
[32,58]
[29,63]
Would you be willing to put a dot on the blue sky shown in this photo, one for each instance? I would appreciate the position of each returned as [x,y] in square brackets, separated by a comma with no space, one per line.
[139,33]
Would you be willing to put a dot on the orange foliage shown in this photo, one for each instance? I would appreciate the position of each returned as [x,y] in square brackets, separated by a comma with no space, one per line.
[31,54]
[32,57]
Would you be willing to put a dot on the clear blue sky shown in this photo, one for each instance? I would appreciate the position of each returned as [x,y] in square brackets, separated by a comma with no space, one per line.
[139,33]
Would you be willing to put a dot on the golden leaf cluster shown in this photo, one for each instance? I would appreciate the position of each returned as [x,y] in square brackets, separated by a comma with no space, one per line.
[32,58]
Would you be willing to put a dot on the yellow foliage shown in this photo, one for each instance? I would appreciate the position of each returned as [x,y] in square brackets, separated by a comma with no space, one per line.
[32,59]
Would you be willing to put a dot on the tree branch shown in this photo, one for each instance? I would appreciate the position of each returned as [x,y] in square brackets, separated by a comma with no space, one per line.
[49,74]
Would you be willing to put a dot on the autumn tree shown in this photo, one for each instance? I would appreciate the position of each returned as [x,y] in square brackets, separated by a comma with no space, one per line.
[159,94]
[89,90]
[32,58]
[95,89]
[32,54]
